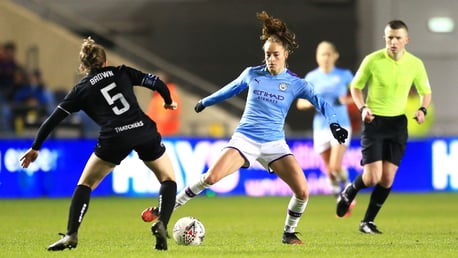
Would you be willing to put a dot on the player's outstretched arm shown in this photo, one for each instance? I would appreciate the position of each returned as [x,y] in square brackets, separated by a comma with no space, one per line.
[45,129]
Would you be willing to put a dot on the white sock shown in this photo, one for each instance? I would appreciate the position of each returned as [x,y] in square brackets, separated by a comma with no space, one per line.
[335,183]
[191,191]
[295,209]
[336,189]
[343,176]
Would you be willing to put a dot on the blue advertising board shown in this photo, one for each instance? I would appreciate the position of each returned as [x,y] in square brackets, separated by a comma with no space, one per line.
[429,165]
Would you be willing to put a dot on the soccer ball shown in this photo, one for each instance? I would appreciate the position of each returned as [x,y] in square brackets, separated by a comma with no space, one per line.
[188,231]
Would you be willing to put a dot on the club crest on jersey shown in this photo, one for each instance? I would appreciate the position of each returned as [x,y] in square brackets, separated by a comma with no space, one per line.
[283,86]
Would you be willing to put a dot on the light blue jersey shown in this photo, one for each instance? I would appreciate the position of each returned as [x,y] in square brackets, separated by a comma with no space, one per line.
[331,86]
[268,101]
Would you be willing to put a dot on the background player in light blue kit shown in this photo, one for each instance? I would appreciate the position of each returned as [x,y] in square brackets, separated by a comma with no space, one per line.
[260,136]
[331,83]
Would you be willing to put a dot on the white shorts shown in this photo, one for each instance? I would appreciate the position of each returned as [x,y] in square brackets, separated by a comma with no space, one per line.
[264,153]
[323,139]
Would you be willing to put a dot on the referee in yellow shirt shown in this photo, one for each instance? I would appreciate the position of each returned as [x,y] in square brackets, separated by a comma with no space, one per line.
[389,74]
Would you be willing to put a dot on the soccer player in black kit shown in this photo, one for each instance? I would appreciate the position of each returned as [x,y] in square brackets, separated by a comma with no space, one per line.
[106,95]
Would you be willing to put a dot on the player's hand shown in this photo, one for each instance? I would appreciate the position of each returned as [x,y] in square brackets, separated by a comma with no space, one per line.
[172,106]
[199,106]
[28,157]
[338,132]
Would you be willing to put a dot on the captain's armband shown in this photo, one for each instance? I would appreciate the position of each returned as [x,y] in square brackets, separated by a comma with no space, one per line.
[149,80]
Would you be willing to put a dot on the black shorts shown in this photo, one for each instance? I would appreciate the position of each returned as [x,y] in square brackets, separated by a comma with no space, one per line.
[115,150]
[385,138]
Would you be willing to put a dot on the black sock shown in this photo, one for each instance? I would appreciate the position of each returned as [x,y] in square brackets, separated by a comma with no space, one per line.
[357,185]
[378,197]
[167,197]
[78,207]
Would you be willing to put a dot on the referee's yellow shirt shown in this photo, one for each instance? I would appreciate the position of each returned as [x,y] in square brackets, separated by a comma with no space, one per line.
[389,81]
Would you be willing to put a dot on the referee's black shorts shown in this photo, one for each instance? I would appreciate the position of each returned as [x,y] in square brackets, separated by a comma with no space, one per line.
[385,138]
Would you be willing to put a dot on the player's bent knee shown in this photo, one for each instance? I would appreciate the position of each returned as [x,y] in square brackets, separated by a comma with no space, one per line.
[371,181]
[302,195]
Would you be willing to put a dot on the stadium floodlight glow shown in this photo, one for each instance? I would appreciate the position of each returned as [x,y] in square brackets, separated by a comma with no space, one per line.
[442,24]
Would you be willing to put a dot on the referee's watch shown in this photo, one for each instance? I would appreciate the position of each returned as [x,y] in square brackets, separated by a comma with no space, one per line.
[424,110]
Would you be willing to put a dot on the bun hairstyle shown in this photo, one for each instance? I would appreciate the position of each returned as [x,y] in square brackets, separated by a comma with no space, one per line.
[92,56]
[275,30]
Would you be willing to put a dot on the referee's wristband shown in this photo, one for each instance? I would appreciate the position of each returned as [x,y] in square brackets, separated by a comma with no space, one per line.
[362,108]
[424,110]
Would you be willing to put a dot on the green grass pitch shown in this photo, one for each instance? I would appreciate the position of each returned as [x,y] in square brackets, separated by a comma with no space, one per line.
[413,225]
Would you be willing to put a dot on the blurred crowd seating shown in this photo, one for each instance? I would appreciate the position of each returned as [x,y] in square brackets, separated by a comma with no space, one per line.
[26,100]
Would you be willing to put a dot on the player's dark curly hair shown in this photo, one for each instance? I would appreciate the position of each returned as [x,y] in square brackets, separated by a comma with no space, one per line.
[92,56]
[275,30]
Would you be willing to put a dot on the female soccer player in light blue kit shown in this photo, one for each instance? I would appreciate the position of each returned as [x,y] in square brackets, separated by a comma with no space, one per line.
[272,88]
[332,84]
